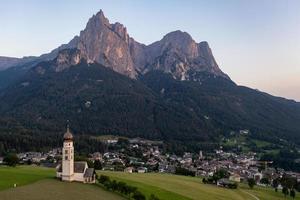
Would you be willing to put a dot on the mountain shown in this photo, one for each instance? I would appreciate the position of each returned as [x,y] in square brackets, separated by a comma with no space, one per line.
[105,82]
[110,45]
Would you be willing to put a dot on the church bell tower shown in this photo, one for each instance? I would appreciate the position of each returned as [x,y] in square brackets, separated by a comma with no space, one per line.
[68,157]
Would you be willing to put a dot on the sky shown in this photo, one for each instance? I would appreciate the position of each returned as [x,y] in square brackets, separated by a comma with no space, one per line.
[256,42]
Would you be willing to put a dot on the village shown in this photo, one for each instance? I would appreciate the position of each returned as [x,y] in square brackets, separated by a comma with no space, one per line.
[144,156]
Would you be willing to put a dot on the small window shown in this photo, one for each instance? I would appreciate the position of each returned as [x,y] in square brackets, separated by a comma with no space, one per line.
[66,157]
[66,151]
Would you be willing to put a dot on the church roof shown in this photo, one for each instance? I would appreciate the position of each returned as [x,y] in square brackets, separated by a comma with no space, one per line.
[79,167]
[89,172]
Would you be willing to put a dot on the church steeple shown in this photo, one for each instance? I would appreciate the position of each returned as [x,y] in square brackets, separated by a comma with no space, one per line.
[68,156]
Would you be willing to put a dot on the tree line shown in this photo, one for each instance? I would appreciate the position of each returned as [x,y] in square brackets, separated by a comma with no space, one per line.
[123,188]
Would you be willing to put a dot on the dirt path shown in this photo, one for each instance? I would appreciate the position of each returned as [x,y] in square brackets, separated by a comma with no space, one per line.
[252,195]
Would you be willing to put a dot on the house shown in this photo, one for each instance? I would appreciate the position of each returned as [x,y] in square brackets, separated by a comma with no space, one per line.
[69,170]
[257,176]
[129,170]
[96,156]
[142,170]
[1,160]
[235,178]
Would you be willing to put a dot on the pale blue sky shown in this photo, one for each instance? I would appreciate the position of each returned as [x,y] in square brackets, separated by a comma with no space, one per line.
[256,42]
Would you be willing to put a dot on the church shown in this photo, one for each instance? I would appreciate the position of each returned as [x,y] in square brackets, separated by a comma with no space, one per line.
[69,170]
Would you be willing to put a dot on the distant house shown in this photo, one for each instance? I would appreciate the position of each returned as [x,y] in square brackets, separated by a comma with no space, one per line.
[129,170]
[96,156]
[162,168]
[235,178]
[257,176]
[142,170]
[112,141]
[1,160]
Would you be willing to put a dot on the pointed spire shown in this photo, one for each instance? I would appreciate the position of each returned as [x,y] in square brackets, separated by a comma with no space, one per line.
[68,126]
[100,13]
[101,17]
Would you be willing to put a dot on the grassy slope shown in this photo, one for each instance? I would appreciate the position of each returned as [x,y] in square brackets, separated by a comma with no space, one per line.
[23,175]
[184,188]
[56,190]
[163,185]
[39,184]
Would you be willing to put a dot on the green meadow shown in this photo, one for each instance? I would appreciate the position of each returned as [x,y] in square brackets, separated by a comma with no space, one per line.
[37,183]
[23,175]
[167,187]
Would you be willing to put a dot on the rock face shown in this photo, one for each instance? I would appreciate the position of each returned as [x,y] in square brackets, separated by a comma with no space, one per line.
[110,45]
[107,44]
[177,53]
[67,58]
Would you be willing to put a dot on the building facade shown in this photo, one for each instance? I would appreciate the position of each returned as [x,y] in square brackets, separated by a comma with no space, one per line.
[69,170]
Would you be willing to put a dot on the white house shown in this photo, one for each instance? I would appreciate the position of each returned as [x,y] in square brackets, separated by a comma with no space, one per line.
[142,170]
[257,176]
[70,170]
[129,170]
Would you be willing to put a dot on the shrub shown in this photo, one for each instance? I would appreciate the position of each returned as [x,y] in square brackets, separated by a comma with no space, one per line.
[285,191]
[233,185]
[153,197]
[121,187]
[251,183]
[183,171]
[114,185]
[11,160]
[137,195]
[102,179]
[293,194]
[97,165]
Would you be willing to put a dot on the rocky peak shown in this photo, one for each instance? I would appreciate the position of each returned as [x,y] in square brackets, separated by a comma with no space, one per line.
[178,39]
[107,44]
[98,20]
[177,53]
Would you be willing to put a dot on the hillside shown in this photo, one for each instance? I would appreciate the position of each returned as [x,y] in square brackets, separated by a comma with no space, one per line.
[229,106]
[97,101]
[167,187]
[36,183]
